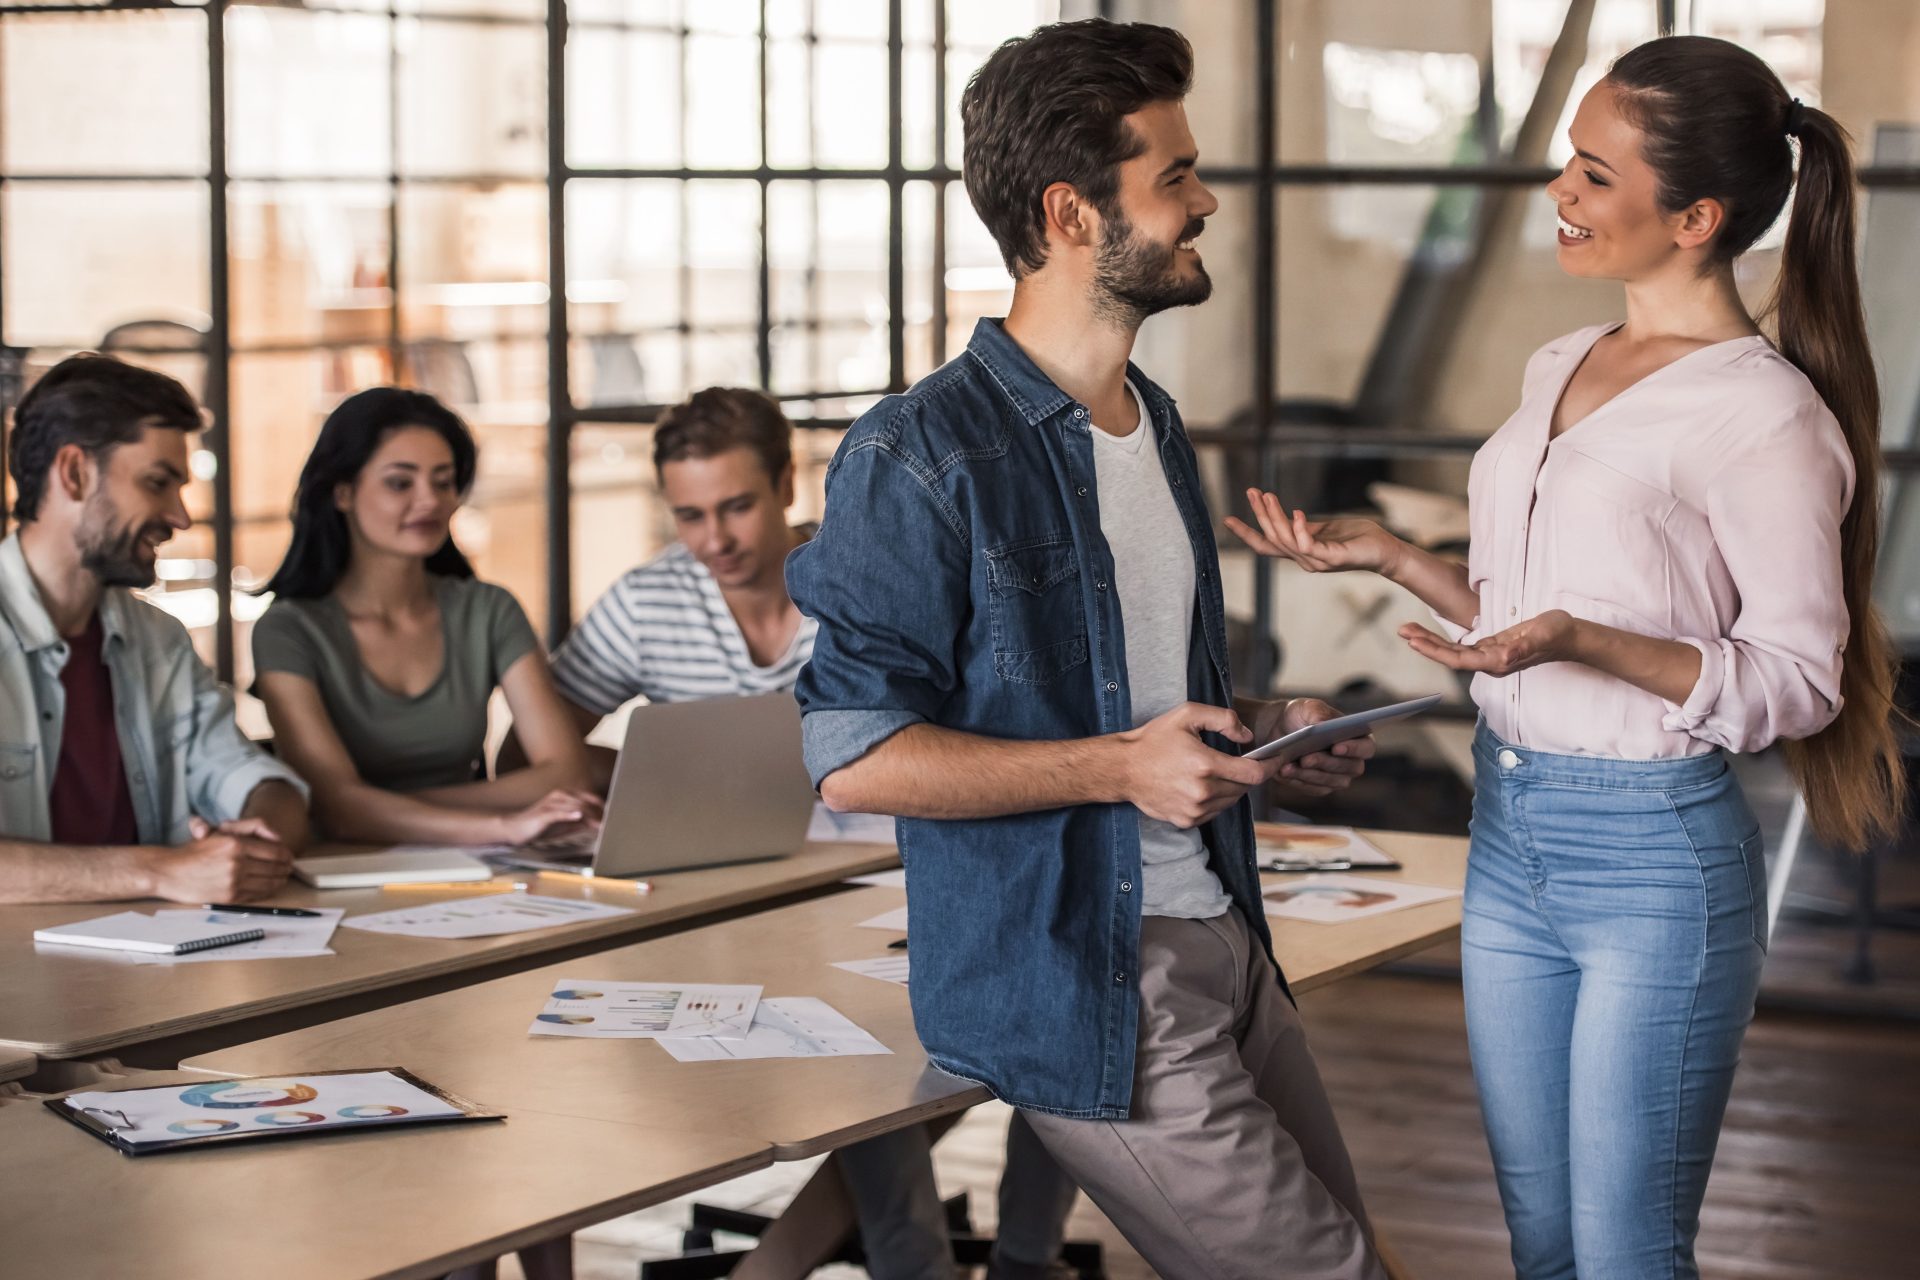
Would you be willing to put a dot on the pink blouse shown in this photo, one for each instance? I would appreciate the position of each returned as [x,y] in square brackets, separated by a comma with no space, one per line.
[1702,504]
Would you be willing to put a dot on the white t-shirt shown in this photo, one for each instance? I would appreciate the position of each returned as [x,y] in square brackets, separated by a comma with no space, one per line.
[1154,575]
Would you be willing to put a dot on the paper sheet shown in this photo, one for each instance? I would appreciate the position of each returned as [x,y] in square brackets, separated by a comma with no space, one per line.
[173,1112]
[894,879]
[895,920]
[784,1027]
[589,1008]
[886,968]
[850,828]
[1299,844]
[1331,899]
[483,917]
[288,937]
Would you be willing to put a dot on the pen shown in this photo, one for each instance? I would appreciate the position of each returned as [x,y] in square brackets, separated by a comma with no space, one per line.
[240,910]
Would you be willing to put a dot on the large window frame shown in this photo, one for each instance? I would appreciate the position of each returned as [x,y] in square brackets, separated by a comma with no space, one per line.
[1264,431]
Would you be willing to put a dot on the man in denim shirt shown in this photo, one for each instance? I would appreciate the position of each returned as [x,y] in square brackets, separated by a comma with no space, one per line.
[1022,651]
[122,772]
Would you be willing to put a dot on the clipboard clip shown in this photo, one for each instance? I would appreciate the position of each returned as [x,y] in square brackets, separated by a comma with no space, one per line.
[104,1112]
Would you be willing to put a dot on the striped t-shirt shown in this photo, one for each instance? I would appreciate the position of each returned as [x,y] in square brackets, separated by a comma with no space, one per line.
[664,630]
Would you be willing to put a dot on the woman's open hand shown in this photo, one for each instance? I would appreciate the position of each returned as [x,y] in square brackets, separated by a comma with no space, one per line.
[1318,546]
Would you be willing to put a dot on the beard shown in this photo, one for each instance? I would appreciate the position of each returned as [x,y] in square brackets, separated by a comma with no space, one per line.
[116,555]
[1135,277]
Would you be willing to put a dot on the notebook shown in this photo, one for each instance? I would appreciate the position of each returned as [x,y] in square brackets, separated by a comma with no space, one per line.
[172,934]
[406,864]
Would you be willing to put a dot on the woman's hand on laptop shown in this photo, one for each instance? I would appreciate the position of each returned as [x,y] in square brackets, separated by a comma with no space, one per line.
[561,811]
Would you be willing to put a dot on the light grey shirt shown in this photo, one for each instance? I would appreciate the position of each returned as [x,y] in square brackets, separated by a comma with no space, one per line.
[1153,574]
[182,751]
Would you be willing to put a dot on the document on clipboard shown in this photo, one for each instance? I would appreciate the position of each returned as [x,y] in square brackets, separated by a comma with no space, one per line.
[139,1122]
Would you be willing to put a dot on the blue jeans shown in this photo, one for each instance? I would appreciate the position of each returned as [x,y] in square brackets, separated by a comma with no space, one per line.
[1615,923]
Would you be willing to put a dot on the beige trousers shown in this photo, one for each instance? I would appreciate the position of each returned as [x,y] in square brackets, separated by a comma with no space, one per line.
[1231,1165]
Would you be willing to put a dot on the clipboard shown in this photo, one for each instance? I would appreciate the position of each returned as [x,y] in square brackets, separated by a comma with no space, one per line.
[246,1121]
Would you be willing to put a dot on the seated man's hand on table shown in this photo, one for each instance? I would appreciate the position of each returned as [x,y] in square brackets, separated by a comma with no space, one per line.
[238,861]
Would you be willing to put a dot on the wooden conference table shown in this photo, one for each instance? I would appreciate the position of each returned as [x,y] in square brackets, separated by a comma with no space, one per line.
[66,1003]
[396,1203]
[474,1041]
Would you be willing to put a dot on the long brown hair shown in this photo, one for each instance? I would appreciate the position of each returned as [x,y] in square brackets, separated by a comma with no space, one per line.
[1716,122]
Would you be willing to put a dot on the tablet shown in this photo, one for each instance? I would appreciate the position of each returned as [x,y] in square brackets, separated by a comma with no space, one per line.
[1318,737]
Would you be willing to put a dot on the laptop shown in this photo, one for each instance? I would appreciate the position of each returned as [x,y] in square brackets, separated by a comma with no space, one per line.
[697,784]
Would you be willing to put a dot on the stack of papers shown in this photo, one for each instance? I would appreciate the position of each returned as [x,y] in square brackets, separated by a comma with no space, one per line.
[287,937]
[484,917]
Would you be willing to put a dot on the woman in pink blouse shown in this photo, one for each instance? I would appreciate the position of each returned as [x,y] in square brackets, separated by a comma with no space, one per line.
[1673,541]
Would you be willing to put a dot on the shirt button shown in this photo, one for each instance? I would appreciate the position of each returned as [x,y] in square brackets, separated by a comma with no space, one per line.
[1079,413]
[1512,610]
[1082,491]
[1112,687]
[1126,886]
[1100,586]
[1120,977]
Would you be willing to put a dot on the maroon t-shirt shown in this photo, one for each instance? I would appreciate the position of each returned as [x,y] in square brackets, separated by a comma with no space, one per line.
[90,802]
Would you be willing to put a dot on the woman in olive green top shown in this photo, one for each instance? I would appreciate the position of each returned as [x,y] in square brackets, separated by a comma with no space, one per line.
[381,649]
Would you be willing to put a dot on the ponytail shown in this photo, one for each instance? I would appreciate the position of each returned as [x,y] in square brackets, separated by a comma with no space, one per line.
[1850,773]
[1716,122]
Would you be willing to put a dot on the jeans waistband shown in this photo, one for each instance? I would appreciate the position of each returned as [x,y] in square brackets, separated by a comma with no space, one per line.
[1524,764]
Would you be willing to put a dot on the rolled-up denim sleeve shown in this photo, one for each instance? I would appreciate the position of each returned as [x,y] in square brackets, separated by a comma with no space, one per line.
[223,766]
[886,580]
[1776,512]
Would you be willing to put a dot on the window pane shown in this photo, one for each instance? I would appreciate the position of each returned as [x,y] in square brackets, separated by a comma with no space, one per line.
[473,296]
[623,99]
[722,224]
[473,99]
[723,102]
[82,95]
[917,218]
[1439,84]
[850,19]
[503,526]
[851,90]
[976,282]
[308,93]
[308,263]
[81,258]
[618,518]
[625,291]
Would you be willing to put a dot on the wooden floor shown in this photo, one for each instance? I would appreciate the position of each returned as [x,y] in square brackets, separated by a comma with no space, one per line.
[1818,1174]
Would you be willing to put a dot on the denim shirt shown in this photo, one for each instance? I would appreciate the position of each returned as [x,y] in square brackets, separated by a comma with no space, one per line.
[182,751]
[960,578]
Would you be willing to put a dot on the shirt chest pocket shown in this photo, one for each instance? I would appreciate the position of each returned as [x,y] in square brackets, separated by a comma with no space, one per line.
[1039,620]
[16,764]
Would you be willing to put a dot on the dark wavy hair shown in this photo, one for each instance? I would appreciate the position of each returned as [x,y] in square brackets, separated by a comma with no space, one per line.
[96,402]
[321,545]
[1050,107]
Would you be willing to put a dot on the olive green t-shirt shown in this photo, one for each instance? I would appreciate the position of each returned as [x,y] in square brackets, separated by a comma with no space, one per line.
[404,744]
